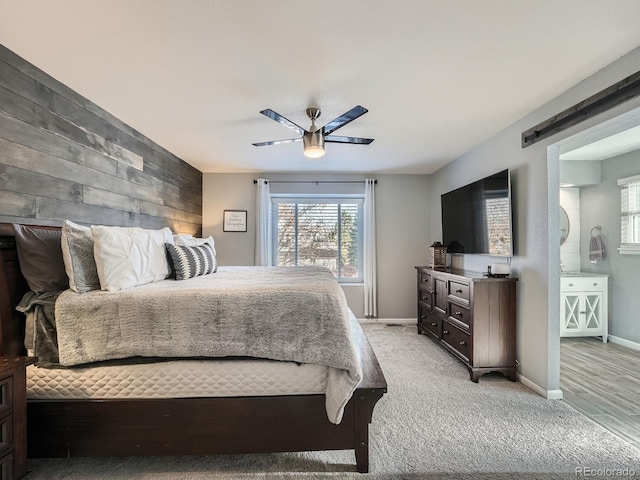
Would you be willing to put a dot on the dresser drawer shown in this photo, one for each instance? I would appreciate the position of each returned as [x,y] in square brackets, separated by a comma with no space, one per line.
[432,323]
[424,280]
[457,339]
[13,417]
[6,395]
[6,434]
[425,296]
[582,284]
[460,315]
[6,467]
[459,290]
[423,311]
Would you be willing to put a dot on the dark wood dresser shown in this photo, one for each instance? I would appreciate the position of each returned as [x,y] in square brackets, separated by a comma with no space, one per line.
[472,316]
[13,417]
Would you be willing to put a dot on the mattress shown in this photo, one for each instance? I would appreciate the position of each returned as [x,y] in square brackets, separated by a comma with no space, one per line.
[178,379]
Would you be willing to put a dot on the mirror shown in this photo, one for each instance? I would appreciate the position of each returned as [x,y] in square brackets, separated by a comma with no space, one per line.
[564,225]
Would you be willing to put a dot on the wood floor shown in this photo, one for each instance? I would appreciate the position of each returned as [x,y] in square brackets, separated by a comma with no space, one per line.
[602,380]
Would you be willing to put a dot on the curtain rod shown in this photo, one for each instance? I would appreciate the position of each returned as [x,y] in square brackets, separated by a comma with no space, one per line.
[315,181]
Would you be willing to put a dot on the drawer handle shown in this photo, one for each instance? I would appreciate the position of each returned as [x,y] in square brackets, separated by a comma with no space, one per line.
[571,284]
[463,343]
[458,314]
[429,291]
[458,291]
[445,332]
[422,317]
[595,284]
[425,279]
[423,298]
[434,324]
[583,313]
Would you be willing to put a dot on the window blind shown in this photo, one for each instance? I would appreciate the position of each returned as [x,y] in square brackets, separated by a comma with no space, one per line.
[630,214]
[321,232]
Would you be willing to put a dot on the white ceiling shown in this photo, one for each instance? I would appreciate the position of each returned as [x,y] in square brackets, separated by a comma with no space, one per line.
[438,76]
[623,142]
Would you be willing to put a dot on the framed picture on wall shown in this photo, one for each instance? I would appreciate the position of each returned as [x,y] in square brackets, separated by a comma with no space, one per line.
[234,221]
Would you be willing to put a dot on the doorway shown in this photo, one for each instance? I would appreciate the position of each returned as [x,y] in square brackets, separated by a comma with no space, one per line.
[594,376]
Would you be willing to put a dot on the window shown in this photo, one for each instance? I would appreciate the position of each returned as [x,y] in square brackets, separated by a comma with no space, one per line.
[630,215]
[323,231]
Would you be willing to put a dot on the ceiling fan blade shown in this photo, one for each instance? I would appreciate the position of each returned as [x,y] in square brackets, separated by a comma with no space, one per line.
[277,142]
[343,119]
[283,121]
[337,139]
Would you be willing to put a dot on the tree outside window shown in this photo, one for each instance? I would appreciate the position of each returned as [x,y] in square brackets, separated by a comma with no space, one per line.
[319,232]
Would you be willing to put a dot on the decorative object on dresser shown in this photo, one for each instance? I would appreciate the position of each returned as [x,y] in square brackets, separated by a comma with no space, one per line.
[584,305]
[438,256]
[13,417]
[499,270]
[472,316]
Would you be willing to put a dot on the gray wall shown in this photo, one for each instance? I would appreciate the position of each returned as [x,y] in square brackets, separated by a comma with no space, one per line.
[579,172]
[402,219]
[62,156]
[600,205]
[535,183]
[229,191]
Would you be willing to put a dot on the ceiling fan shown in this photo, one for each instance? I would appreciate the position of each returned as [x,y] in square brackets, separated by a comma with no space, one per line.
[315,138]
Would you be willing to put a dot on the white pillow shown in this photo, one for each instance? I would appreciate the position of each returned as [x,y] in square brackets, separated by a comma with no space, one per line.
[130,256]
[190,241]
[178,236]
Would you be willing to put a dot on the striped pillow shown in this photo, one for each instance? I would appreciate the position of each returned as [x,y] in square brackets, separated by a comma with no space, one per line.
[192,261]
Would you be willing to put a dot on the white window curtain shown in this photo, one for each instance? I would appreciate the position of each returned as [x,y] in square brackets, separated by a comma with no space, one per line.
[263,223]
[369,254]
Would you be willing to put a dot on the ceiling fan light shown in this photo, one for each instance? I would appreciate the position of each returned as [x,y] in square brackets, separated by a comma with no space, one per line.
[313,144]
[313,151]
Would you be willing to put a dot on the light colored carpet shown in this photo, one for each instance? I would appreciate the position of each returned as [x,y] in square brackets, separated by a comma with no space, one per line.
[434,424]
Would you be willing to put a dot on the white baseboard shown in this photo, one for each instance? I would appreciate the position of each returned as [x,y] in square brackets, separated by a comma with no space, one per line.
[401,321]
[624,342]
[548,394]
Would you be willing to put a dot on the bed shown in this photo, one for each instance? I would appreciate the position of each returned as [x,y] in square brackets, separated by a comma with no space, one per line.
[108,425]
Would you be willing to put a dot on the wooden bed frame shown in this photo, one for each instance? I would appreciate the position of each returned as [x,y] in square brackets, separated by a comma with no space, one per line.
[183,426]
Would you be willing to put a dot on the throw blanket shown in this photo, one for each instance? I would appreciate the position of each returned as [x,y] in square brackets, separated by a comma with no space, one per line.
[40,328]
[295,314]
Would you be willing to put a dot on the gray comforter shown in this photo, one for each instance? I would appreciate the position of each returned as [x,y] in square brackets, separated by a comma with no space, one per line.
[294,314]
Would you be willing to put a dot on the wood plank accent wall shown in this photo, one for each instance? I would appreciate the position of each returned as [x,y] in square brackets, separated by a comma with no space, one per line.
[63,157]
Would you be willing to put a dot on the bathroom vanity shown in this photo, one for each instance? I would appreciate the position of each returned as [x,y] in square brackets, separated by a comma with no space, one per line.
[584,305]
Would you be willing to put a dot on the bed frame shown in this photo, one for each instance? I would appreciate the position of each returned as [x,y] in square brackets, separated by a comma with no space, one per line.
[183,426]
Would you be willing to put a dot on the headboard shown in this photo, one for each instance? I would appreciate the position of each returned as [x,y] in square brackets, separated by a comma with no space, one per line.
[12,287]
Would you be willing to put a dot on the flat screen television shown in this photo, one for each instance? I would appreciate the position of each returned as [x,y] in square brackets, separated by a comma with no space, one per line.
[476,218]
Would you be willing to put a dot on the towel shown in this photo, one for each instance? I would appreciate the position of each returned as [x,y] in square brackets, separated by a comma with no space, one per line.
[596,249]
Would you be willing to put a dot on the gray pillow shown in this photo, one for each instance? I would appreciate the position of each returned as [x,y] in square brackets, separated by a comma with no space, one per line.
[77,252]
[40,257]
[194,261]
